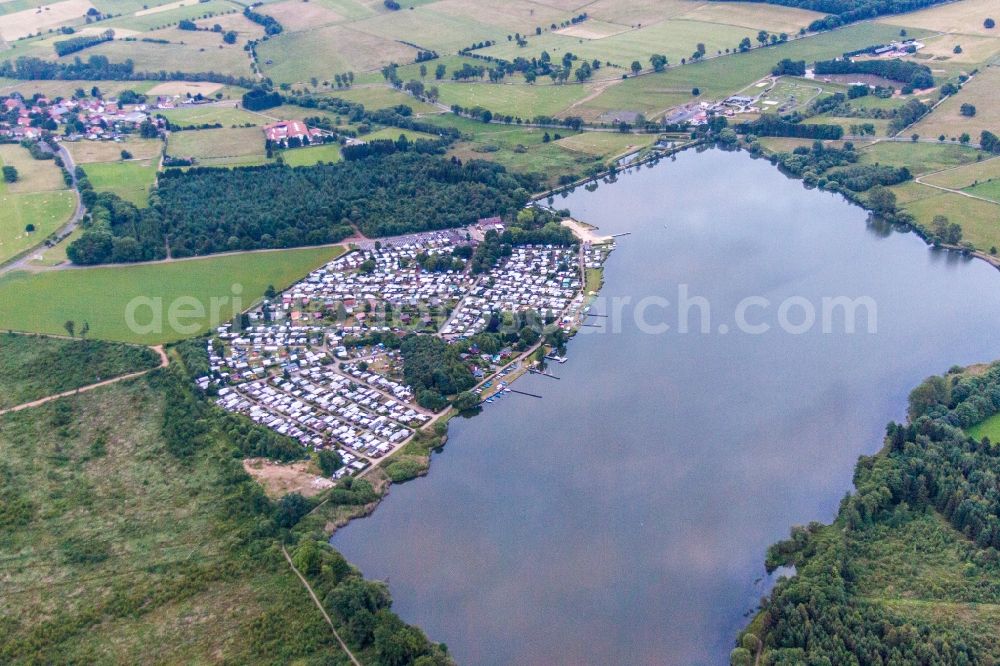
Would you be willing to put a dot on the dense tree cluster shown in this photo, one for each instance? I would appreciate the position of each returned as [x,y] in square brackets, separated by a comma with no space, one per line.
[909,73]
[434,369]
[863,177]
[789,67]
[210,210]
[74,44]
[116,231]
[259,99]
[98,67]
[203,211]
[989,142]
[270,24]
[772,125]
[930,467]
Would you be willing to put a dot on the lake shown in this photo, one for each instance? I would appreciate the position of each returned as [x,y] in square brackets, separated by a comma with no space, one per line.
[624,517]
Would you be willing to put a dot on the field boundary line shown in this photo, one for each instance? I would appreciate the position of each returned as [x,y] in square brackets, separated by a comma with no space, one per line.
[322,610]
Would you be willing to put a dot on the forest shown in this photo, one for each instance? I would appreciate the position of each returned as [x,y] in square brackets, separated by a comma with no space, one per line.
[772,125]
[912,74]
[204,210]
[934,488]
[434,369]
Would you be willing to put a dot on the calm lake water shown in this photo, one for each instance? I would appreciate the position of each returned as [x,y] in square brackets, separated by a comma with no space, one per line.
[624,517]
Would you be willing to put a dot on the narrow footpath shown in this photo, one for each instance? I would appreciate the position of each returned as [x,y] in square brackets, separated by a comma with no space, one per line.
[322,610]
[164,362]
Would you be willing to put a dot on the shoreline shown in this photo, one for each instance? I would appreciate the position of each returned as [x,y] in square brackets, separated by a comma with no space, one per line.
[433,436]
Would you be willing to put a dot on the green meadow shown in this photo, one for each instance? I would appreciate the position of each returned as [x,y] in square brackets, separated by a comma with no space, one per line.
[187,286]
[130,179]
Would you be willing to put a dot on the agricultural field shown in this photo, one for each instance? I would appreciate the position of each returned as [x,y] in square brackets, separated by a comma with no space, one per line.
[726,75]
[219,147]
[167,15]
[382,97]
[975,49]
[965,17]
[438,30]
[755,16]
[523,101]
[16,25]
[204,51]
[69,294]
[129,179]
[919,158]
[675,39]
[329,152]
[38,198]
[980,220]
[983,92]
[966,176]
[205,114]
[604,144]
[295,57]
[84,152]
[241,25]
[66,88]
[988,190]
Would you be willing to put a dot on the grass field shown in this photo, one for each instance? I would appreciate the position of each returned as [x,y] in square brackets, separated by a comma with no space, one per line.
[984,93]
[382,97]
[329,152]
[989,190]
[394,133]
[988,428]
[39,197]
[967,176]
[227,116]
[172,13]
[754,16]
[517,100]
[675,38]
[131,180]
[46,210]
[975,48]
[219,146]
[964,17]
[726,75]
[84,152]
[438,30]
[980,220]
[29,21]
[69,294]
[919,158]
[176,57]
[32,367]
[33,175]
[295,57]
[605,144]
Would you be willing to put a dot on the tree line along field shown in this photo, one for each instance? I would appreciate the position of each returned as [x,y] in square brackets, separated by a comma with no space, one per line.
[39,197]
[69,295]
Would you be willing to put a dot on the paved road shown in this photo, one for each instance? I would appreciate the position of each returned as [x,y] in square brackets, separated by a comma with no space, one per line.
[23,261]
